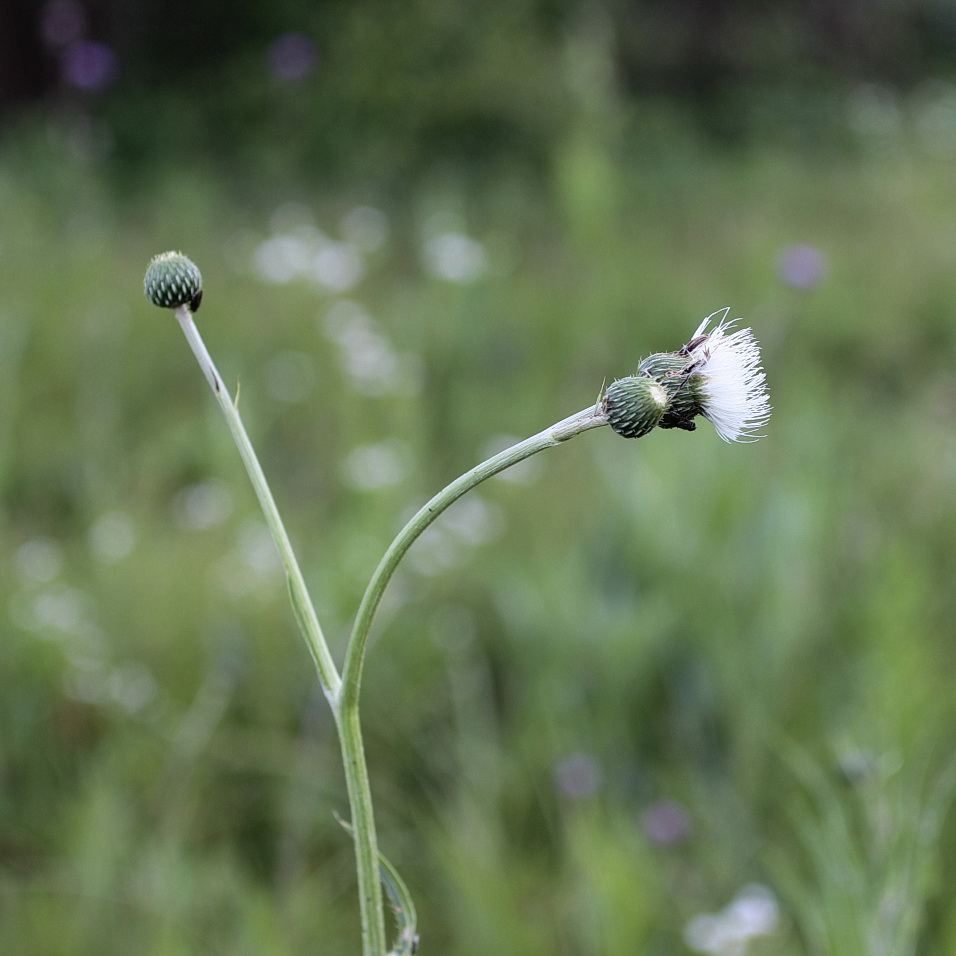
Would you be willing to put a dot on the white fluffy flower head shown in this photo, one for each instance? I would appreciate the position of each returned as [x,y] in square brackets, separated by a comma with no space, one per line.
[733,386]
[717,374]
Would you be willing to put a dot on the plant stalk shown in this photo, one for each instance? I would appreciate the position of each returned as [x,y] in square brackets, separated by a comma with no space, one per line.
[350,734]
[363,827]
[358,641]
[301,602]
[343,692]
[346,706]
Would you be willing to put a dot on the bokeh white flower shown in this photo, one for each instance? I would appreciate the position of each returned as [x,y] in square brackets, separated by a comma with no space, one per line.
[753,913]
[733,385]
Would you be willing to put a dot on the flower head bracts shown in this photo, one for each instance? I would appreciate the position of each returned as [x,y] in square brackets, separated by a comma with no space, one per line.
[172,280]
[732,385]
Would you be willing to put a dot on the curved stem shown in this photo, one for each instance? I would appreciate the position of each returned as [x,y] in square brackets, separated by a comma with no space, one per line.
[299,593]
[358,641]
[346,705]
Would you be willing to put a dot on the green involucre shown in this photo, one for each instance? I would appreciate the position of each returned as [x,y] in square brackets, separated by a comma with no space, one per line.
[635,405]
[173,280]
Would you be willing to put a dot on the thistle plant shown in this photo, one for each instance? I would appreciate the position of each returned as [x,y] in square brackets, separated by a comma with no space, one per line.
[717,375]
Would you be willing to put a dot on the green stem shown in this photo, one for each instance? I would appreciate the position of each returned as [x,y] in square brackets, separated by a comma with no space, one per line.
[301,602]
[350,733]
[343,692]
[346,706]
[363,826]
[358,641]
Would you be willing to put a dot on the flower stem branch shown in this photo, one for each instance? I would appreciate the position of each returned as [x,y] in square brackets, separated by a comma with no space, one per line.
[299,593]
[350,734]
[358,641]
[346,704]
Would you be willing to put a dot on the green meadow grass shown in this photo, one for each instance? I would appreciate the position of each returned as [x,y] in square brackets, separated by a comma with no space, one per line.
[759,638]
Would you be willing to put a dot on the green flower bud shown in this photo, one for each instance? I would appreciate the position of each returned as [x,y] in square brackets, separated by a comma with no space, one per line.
[664,366]
[173,280]
[634,405]
[675,372]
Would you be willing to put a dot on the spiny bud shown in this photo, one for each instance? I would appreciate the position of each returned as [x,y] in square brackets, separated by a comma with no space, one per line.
[634,405]
[173,280]
[663,365]
[674,370]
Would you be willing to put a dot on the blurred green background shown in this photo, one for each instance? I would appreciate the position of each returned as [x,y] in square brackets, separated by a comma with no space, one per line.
[655,698]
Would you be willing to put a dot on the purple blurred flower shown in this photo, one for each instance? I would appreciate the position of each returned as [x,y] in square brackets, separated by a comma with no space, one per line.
[666,823]
[62,22]
[88,65]
[292,57]
[801,266]
[578,776]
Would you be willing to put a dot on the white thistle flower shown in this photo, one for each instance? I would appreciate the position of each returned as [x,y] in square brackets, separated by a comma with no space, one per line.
[733,386]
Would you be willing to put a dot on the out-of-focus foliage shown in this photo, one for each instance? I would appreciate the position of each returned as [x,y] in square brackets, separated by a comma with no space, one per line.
[643,696]
[350,89]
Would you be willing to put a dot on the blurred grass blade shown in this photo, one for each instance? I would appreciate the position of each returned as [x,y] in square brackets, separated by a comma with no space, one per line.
[406,919]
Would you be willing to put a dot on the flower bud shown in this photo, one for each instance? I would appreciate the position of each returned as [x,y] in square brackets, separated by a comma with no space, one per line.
[173,280]
[675,372]
[663,365]
[634,405]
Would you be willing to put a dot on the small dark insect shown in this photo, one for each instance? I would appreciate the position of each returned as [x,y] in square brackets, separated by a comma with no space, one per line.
[672,420]
[195,301]
[693,343]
